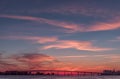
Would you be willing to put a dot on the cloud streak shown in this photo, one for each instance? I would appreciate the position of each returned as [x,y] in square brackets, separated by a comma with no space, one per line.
[55,43]
[104,26]
[78,45]
[37,39]
[70,27]
[81,56]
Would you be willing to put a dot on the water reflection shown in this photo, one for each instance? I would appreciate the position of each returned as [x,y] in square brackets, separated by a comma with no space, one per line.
[59,77]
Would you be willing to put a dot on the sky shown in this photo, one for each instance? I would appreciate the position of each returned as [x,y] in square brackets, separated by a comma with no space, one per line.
[77,35]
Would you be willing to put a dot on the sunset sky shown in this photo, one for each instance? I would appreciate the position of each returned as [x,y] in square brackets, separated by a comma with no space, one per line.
[82,35]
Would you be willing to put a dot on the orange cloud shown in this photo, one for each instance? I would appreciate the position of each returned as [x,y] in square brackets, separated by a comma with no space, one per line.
[37,39]
[79,45]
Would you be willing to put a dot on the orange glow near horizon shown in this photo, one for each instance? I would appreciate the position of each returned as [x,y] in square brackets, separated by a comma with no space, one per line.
[44,62]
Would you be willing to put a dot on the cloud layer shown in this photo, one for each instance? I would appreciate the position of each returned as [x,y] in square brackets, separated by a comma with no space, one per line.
[39,61]
[33,61]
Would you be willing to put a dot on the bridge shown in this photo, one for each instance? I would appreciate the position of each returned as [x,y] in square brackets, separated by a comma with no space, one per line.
[61,72]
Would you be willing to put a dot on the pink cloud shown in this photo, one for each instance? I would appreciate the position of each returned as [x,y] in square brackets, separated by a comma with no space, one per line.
[37,39]
[71,27]
[38,61]
[109,56]
[104,26]
[81,56]
[58,44]
[33,58]
[78,45]
[33,61]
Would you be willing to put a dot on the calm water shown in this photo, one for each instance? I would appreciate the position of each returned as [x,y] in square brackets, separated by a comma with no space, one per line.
[59,77]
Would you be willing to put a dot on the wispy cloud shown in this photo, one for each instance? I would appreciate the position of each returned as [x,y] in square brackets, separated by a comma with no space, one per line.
[78,45]
[34,60]
[81,56]
[5,64]
[55,43]
[37,39]
[109,57]
[71,27]
[104,26]
[31,57]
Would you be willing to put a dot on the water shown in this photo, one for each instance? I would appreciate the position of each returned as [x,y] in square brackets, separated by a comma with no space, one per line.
[59,77]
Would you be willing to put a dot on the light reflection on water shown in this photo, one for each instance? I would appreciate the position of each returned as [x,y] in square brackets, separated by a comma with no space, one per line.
[59,77]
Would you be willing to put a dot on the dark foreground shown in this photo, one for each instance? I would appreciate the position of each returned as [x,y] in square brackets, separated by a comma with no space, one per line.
[57,77]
